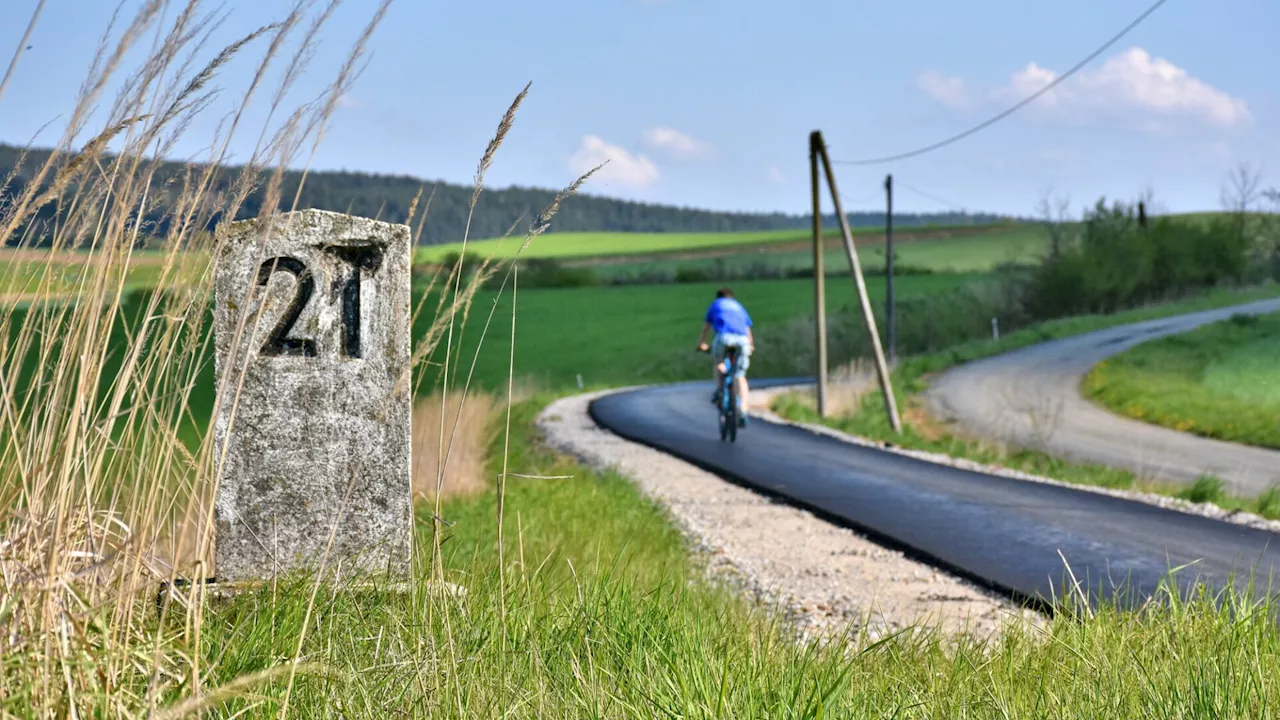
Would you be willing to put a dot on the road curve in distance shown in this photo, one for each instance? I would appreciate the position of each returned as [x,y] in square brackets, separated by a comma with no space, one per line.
[1008,534]
[1031,398]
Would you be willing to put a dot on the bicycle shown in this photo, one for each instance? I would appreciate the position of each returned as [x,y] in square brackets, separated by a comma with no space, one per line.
[728,407]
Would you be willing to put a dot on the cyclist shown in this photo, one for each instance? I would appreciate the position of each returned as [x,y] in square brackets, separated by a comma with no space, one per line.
[732,327]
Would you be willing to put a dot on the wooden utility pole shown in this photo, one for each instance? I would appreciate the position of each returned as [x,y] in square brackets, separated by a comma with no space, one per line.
[890,324]
[819,276]
[882,370]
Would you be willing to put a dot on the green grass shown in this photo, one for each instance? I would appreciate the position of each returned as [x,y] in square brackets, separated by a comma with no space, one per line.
[565,245]
[604,615]
[1218,381]
[912,375]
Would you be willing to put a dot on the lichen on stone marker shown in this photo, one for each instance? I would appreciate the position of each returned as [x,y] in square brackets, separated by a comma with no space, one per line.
[312,427]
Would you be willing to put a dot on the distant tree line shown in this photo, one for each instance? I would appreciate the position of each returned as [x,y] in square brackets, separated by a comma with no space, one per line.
[389,197]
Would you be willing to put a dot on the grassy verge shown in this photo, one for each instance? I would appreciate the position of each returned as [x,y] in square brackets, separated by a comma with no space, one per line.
[911,378]
[596,610]
[1219,381]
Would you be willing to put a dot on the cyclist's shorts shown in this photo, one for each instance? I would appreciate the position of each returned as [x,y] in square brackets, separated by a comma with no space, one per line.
[741,342]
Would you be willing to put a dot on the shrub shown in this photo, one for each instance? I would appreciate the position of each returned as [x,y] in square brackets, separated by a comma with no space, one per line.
[692,275]
[1115,263]
[1269,502]
[1206,489]
[548,273]
[470,261]
[1244,320]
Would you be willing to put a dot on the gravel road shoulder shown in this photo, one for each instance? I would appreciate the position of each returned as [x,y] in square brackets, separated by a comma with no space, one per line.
[823,577]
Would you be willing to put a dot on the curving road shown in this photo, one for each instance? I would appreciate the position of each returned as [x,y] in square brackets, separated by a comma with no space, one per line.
[1031,397]
[1010,535]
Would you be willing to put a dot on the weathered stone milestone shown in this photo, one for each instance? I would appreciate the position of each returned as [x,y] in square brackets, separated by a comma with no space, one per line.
[312,432]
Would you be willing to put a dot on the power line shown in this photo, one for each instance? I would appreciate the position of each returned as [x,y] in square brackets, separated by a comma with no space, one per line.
[863,201]
[1026,101]
[930,196]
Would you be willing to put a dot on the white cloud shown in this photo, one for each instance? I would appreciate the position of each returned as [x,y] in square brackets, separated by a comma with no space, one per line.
[776,175]
[346,101]
[623,167]
[1133,81]
[677,142]
[1028,80]
[948,90]
[1160,86]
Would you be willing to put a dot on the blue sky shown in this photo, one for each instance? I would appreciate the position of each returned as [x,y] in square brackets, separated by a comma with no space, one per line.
[708,103]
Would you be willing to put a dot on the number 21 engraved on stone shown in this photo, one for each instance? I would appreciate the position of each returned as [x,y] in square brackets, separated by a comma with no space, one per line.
[357,258]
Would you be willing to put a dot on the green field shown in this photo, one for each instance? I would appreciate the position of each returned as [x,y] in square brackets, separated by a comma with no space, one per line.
[644,333]
[591,244]
[603,244]
[968,253]
[1220,381]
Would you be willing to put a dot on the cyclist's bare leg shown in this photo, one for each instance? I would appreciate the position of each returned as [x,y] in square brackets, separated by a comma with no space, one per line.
[717,371]
[742,391]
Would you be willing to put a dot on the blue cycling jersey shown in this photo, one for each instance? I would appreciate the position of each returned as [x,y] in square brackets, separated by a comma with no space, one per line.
[727,316]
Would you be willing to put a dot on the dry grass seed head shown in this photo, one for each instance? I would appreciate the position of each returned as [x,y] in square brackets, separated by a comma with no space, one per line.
[504,126]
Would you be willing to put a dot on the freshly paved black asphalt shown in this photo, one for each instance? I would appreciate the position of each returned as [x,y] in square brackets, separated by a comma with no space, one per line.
[1003,533]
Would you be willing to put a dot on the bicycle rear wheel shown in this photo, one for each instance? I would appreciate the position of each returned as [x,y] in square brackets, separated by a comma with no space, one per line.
[730,415]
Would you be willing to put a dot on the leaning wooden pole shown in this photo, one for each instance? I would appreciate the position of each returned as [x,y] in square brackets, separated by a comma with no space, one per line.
[819,275]
[882,369]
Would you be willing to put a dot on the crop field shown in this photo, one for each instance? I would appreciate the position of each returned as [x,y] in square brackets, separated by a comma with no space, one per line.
[1219,381]
[583,245]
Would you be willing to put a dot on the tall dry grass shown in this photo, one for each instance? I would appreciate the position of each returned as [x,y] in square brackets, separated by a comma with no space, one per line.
[102,496]
[847,385]
[470,423]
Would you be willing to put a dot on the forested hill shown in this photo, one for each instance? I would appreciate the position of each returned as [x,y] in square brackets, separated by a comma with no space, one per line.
[389,196]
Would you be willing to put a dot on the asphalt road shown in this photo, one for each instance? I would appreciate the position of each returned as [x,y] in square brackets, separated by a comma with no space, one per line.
[1031,397]
[1010,535]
